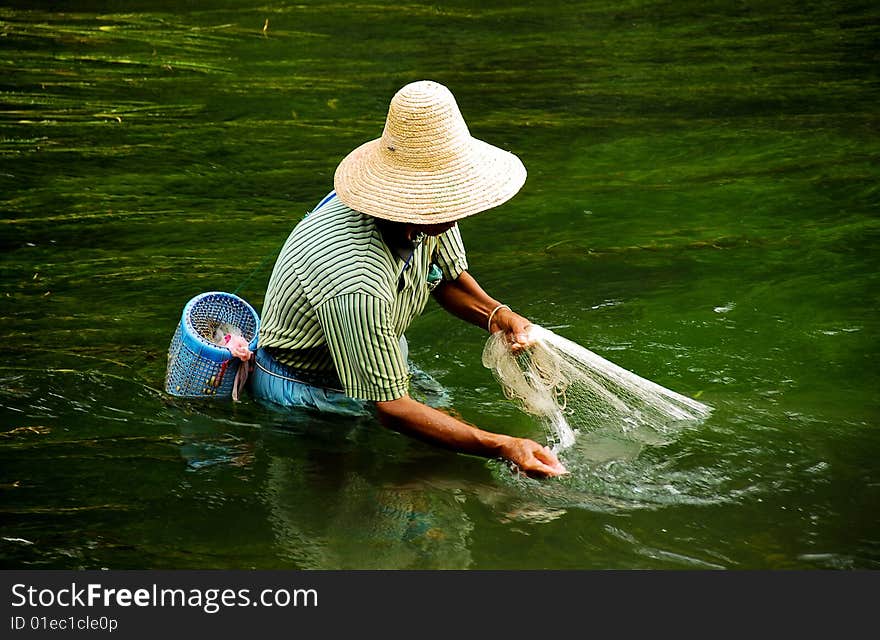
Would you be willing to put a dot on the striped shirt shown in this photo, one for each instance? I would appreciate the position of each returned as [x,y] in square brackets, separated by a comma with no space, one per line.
[339,299]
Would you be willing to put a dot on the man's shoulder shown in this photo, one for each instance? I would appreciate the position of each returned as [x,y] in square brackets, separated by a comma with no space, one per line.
[337,250]
[331,214]
[332,225]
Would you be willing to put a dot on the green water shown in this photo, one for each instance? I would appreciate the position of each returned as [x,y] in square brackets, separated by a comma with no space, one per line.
[701,208]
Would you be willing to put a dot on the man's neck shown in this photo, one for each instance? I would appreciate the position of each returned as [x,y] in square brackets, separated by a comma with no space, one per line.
[401,238]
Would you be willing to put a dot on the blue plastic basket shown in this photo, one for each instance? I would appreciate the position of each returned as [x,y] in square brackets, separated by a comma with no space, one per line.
[197,367]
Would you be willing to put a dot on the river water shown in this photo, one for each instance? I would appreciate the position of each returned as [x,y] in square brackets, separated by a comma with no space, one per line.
[701,209]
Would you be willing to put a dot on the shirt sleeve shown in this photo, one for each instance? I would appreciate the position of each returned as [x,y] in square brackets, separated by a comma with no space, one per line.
[450,254]
[359,330]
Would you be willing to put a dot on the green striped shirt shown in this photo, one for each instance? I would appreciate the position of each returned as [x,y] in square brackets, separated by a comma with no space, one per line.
[339,299]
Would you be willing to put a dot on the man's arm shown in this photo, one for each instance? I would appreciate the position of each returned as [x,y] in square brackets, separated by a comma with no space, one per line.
[465,298]
[366,352]
[416,419]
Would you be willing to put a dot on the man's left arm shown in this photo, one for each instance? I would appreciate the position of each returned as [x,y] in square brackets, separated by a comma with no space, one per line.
[466,299]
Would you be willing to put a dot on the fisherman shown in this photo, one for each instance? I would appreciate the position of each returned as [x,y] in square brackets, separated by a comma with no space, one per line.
[357,270]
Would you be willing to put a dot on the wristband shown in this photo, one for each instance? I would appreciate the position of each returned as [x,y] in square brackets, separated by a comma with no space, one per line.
[492,315]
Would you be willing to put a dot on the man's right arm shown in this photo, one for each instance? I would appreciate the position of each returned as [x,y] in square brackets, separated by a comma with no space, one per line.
[413,418]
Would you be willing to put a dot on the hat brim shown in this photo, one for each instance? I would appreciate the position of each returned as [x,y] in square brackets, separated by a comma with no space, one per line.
[483,177]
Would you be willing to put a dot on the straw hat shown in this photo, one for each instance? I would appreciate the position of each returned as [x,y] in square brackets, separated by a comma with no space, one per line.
[426,168]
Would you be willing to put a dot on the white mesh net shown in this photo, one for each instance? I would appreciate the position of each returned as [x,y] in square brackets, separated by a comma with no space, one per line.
[571,388]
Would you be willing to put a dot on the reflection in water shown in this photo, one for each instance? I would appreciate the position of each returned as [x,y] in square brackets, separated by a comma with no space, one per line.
[328,513]
[329,504]
[363,524]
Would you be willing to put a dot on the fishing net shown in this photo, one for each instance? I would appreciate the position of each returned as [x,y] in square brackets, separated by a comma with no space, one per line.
[569,387]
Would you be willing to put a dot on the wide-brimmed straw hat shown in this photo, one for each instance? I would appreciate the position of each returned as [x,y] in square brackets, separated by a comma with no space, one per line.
[426,168]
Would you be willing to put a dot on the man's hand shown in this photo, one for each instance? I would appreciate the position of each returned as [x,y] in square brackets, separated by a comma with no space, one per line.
[515,328]
[532,458]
